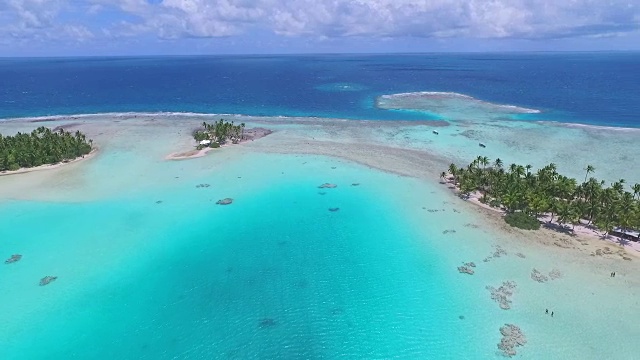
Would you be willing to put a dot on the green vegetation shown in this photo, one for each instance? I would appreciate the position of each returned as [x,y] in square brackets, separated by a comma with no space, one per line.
[522,220]
[545,192]
[41,147]
[219,133]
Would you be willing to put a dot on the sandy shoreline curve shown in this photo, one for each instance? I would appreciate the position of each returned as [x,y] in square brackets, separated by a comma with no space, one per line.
[88,156]
[580,232]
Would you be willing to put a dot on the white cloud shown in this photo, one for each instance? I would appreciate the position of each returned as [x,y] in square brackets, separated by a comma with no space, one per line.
[438,18]
[324,18]
[28,20]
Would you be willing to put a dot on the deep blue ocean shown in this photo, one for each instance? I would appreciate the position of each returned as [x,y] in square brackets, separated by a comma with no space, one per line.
[589,88]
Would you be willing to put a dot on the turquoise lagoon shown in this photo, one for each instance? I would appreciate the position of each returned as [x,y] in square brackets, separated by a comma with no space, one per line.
[150,267]
[274,275]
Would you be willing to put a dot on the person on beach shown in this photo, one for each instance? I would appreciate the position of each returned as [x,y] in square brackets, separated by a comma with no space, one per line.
[546,311]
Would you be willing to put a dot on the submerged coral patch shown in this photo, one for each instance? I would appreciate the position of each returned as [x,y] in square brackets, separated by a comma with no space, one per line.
[341,87]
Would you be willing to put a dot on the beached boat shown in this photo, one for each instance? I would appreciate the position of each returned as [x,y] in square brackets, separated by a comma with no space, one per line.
[435,132]
[482,145]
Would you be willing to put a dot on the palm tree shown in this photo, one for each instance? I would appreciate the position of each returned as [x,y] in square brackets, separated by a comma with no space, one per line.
[589,170]
[636,191]
[453,170]
[545,190]
[484,161]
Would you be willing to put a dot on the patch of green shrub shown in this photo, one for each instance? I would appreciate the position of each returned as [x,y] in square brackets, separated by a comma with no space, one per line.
[522,221]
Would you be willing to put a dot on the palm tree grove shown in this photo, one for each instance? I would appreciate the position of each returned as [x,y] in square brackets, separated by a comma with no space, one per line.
[41,147]
[219,133]
[526,195]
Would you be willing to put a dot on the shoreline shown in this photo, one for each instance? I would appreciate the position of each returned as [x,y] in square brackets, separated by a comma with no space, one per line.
[579,232]
[88,156]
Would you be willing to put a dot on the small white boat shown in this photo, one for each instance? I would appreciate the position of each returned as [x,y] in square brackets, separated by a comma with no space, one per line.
[435,132]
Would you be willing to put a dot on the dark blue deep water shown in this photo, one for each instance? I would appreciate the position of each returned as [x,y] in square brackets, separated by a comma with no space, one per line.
[591,88]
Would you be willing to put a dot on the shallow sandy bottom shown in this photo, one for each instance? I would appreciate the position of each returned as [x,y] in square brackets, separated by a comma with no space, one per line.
[132,163]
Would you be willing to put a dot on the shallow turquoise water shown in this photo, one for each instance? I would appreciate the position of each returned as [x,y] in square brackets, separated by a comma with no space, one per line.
[274,275]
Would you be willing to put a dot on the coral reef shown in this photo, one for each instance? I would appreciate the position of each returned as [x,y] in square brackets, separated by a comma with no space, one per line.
[225,201]
[502,295]
[538,276]
[47,280]
[13,258]
[498,252]
[512,337]
[555,274]
[266,323]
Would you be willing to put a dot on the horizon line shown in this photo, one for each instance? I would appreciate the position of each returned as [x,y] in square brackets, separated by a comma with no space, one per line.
[511,52]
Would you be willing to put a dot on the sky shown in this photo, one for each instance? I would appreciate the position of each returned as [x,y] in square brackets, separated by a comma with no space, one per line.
[199,27]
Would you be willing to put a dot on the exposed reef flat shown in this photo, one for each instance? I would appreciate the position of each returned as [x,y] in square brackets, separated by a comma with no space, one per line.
[442,102]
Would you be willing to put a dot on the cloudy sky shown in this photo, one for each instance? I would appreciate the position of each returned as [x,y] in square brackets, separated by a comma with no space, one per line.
[137,27]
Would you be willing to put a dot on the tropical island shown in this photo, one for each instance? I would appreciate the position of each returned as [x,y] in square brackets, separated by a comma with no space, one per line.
[527,196]
[220,133]
[42,146]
